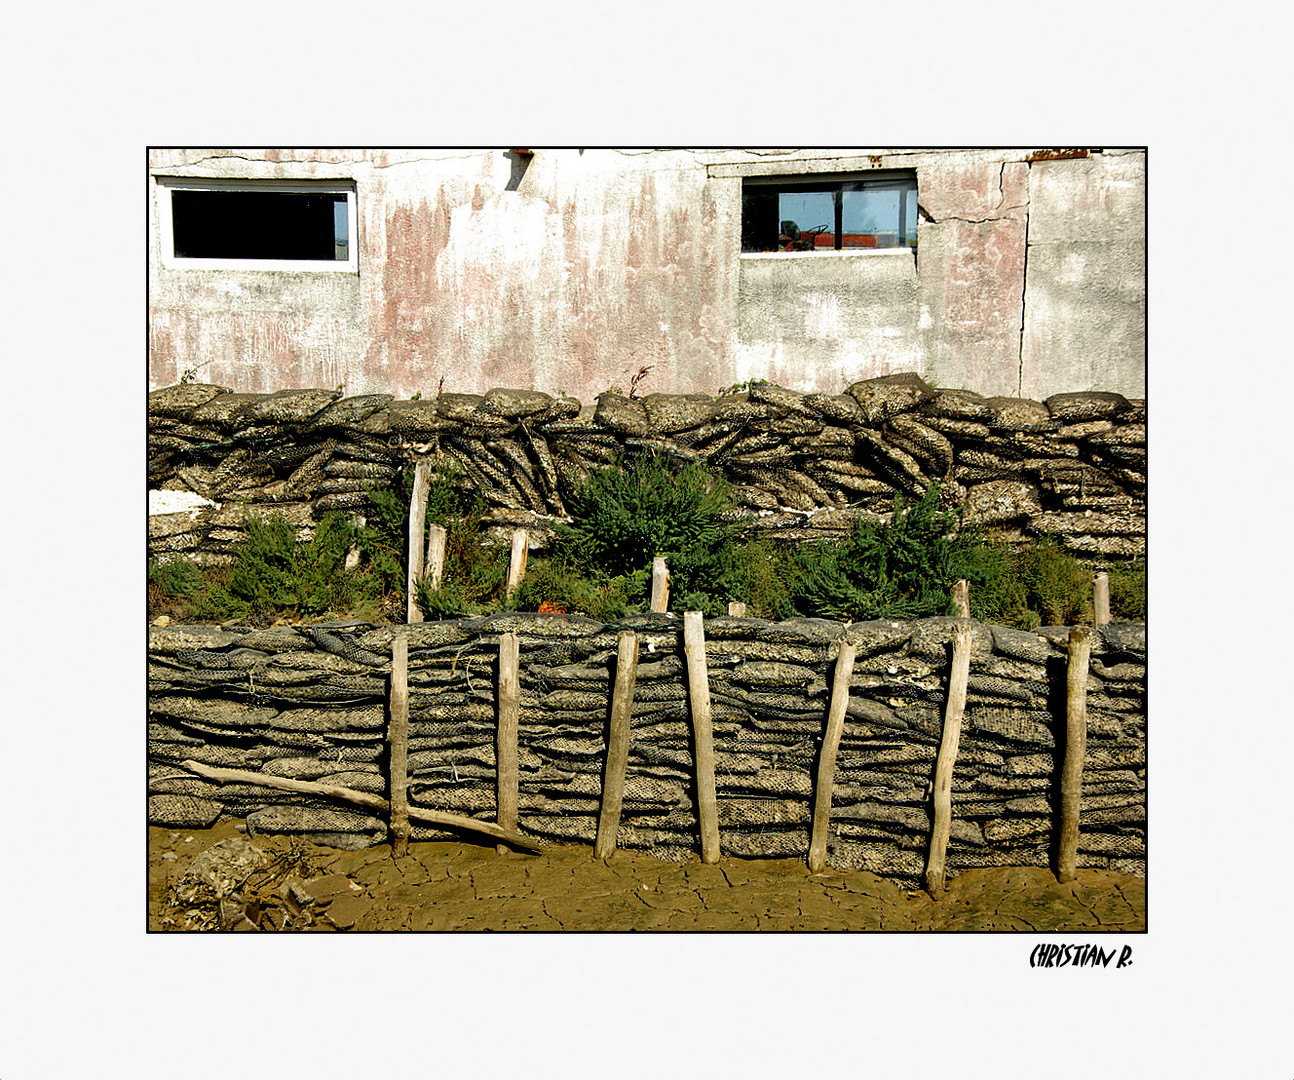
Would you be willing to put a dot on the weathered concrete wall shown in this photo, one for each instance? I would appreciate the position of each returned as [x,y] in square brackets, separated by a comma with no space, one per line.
[575,272]
[971,260]
[1085,300]
[810,320]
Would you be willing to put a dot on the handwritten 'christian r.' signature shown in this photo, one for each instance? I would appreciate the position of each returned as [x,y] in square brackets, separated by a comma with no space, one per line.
[1078,956]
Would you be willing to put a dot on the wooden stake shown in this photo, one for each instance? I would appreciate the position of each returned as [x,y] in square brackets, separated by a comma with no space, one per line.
[517,564]
[1101,599]
[698,677]
[827,763]
[435,566]
[613,783]
[943,787]
[359,798]
[505,746]
[398,736]
[659,585]
[961,599]
[1071,775]
[417,522]
[737,609]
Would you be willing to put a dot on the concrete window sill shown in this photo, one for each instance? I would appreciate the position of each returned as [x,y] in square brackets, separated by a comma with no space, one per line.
[856,253]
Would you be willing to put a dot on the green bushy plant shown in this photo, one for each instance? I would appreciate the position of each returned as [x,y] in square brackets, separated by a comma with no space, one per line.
[761,574]
[626,514]
[998,594]
[1128,591]
[901,569]
[554,584]
[384,539]
[273,571]
[1042,584]
[178,579]
[622,517]
[472,578]
[1059,586]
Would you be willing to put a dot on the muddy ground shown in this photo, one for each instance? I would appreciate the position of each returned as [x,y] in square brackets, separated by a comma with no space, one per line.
[282,883]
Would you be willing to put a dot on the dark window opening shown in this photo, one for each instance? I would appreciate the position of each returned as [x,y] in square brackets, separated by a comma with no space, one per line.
[829,214]
[260,225]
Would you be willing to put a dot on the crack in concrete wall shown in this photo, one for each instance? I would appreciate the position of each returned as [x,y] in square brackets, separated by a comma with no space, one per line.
[1024,280]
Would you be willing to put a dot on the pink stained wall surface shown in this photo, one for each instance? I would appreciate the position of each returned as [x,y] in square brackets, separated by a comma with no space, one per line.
[572,270]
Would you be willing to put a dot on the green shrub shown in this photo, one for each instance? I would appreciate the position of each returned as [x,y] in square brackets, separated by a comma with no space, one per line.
[1042,584]
[176,580]
[384,539]
[473,578]
[1059,586]
[556,584]
[1128,591]
[901,569]
[762,574]
[998,594]
[275,573]
[626,514]
[623,516]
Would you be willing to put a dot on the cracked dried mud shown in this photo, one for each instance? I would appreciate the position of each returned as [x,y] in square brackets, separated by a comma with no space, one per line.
[293,884]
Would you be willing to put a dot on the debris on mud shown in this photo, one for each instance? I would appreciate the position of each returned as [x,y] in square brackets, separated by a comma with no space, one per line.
[234,885]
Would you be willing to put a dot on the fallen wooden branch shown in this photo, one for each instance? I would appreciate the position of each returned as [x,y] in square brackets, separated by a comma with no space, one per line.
[359,798]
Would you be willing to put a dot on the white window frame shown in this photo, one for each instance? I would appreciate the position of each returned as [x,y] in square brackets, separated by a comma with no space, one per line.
[166,235]
[871,178]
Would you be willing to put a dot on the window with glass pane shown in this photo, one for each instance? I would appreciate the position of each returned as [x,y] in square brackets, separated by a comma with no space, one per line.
[829,214]
[260,225]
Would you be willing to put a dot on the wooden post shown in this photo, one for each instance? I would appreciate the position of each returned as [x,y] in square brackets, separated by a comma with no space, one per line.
[435,566]
[1071,775]
[737,609]
[613,782]
[698,677]
[659,585]
[1101,599]
[517,564]
[417,521]
[827,763]
[943,786]
[398,737]
[505,745]
[961,599]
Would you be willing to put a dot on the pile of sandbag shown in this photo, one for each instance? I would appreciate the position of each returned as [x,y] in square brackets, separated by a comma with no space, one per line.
[308,702]
[1072,467]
